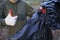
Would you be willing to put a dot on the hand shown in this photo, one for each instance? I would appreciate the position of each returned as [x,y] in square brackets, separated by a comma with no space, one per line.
[9,20]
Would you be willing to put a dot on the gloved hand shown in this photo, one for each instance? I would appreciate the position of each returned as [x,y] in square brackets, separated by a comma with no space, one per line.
[11,20]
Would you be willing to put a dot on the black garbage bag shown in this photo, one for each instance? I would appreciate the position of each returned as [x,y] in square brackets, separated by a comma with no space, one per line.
[35,29]
[39,26]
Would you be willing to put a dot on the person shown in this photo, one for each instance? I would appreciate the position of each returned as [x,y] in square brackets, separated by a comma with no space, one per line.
[13,17]
[39,27]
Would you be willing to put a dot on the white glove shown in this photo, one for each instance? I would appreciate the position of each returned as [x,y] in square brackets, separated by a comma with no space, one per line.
[9,20]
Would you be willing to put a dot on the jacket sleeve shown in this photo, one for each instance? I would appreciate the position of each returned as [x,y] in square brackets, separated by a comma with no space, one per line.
[29,10]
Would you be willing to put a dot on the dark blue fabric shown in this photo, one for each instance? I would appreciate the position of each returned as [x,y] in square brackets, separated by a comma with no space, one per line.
[29,28]
[34,29]
[39,24]
[52,15]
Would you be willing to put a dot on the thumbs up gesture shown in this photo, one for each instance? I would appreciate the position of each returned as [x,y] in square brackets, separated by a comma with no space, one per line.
[11,20]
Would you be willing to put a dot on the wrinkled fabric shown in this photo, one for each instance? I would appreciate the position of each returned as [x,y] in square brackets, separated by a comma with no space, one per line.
[35,29]
[52,15]
[39,26]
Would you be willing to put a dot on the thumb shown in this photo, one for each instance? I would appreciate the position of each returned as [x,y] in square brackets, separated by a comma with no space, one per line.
[10,12]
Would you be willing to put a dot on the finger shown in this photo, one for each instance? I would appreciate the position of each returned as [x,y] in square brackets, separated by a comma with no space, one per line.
[10,12]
